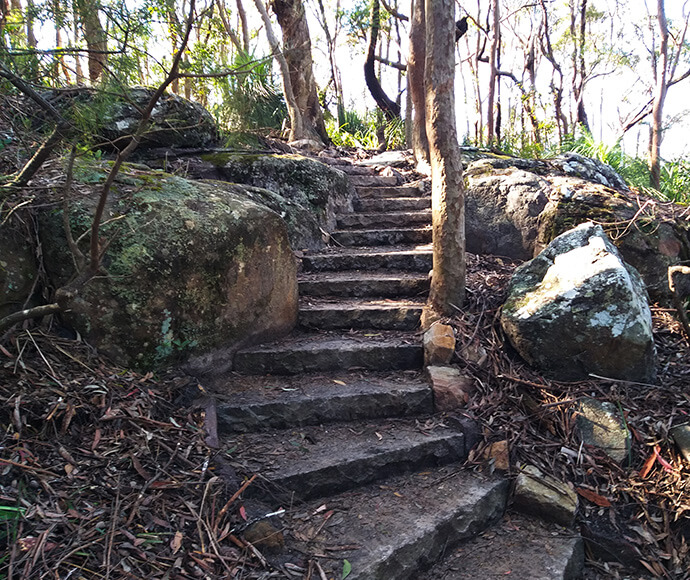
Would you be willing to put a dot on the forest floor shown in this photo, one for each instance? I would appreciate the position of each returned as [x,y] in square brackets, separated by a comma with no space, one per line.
[106,473]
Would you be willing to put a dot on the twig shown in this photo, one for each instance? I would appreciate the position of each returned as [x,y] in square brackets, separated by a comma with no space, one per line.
[237,494]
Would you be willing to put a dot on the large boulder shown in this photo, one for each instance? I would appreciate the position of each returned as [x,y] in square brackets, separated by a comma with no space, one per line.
[578,308]
[320,190]
[113,118]
[515,207]
[193,270]
[18,266]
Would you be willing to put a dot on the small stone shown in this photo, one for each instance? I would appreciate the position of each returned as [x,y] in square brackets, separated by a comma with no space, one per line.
[439,344]
[265,536]
[681,435]
[544,496]
[602,426]
[451,389]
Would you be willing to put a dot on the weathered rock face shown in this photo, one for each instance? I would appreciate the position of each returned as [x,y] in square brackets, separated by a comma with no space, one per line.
[320,190]
[18,268]
[577,308]
[175,121]
[602,425]
[515,207]
[194,270]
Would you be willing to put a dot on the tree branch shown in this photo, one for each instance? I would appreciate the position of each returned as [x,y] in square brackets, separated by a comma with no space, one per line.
[396,65]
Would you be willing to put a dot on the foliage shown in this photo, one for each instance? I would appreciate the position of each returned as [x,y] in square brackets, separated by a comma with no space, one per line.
[251,99]
[362,132]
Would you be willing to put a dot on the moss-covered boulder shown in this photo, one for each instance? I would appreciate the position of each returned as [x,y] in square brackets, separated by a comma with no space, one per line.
[112,117]
[192,270]
[515,207]
[319,190]
[18,264]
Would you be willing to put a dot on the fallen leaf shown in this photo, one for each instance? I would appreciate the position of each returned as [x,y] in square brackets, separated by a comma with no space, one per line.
[648,464]
[347,568]
[594,497]
[176,542]
[243,513]
[337,382]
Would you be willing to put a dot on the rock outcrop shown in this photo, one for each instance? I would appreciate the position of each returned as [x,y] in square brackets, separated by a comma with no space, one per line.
[175,121]
[515,207]
[317,190]
[193,269]
[578,308]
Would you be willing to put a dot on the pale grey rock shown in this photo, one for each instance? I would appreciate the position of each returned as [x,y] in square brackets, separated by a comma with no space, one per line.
[578,309]
[544,496]
[601,425]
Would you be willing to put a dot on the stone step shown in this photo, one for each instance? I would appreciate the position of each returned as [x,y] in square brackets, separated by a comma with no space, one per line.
[306,353]
[395,529]
[367,191]
[390,204]
[411,258]
[384,220]
[317,461]
[357,169]
[363,283]
[382,237]
[259,403]
[379,314]
[373,180]
[518,546]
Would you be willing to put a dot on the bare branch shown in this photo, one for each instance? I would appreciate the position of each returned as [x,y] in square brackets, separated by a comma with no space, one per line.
[396,65]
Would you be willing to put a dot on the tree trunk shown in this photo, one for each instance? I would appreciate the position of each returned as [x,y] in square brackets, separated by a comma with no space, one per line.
[296,130]
[415,82]
[94,34]
[389,107]
[335,72]
[579,35]
[297,49]
[448,205]
[493,72]
[659,98]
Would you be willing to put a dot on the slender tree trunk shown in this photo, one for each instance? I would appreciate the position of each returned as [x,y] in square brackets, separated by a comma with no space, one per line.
[297,50]
[448,204]
[389,107]
[415,80]
[579,35]
[659,98]
[335,72]
[94,34]
[245,27]
[296,130]
[493,72]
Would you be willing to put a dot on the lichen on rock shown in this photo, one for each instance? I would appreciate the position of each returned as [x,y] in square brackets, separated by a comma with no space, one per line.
[192,268]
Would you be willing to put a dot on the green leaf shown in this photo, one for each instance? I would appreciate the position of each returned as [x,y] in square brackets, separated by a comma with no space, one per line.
[347,568]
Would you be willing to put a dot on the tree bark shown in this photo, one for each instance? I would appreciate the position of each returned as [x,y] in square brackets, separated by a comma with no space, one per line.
[390,108]
[297,50]
[296,131]
[415,83]
[94,34]
[448,204]
[493,72]
[659,98]
[579,35]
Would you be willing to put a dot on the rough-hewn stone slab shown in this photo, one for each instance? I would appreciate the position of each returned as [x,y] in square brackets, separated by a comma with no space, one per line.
[312,353]
[519,547]
[387,204]
[382,237]
[323,460]
[374,314]
[418,260]
[396,530]
[259,403]
[383,284]
[384,220]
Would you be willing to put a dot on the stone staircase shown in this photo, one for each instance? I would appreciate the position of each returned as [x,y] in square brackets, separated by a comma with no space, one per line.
[338,418]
